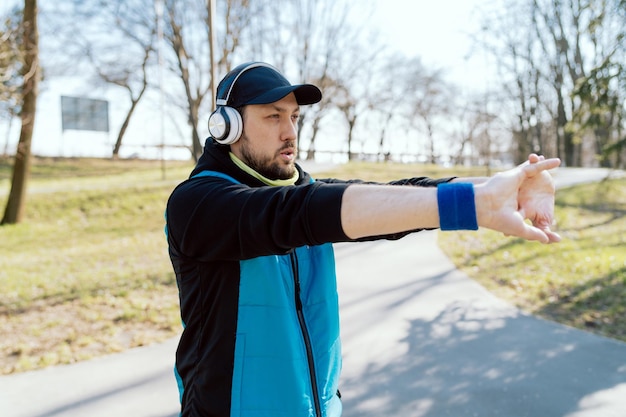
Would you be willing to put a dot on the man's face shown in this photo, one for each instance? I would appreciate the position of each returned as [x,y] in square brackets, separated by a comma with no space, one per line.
[269,140]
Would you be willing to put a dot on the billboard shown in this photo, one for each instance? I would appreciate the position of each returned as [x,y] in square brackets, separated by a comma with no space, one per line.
[81,113]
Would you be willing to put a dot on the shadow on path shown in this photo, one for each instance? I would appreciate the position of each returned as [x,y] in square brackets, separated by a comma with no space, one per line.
[423,340]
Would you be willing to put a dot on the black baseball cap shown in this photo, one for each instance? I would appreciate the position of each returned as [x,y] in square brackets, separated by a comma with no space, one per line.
[261,83]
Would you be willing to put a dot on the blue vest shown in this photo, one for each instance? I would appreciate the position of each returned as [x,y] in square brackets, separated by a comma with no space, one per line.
[287,349]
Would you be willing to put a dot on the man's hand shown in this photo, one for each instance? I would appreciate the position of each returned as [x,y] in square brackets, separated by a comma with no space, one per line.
[507,199]
[536,200]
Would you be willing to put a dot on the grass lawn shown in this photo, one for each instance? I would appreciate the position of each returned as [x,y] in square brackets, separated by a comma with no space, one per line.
[87,272]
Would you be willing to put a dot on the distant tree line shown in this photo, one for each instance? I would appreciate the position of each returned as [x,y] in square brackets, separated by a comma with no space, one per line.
[560,89]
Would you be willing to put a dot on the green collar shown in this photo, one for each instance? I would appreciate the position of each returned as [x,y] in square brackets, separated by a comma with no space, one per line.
[246,168]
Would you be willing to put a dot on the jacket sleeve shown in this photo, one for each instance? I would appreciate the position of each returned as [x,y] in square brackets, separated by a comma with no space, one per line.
[211,218]
[415,181]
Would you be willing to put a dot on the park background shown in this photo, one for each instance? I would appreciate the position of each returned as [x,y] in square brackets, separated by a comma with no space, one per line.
[86,273]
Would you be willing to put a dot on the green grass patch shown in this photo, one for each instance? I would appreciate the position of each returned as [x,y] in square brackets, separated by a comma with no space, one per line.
[580,281]
[87,271]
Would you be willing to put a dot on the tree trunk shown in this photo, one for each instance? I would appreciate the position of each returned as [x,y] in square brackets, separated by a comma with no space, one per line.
[310,154]
[351,123]
[431,144]
[16,203]
[129,115]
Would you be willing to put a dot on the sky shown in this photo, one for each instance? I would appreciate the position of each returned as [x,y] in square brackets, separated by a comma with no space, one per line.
[436,31]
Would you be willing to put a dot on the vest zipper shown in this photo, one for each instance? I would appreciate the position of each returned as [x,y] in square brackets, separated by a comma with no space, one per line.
[305,334]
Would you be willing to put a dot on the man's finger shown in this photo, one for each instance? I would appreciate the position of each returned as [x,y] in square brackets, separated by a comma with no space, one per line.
[535,168]
[533,158]
[554,237]
[534,233]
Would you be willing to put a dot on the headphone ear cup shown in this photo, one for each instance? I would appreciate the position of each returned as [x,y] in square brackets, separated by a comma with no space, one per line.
[225,125]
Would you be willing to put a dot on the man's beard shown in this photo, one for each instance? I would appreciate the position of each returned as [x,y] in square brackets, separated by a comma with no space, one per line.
[268,166]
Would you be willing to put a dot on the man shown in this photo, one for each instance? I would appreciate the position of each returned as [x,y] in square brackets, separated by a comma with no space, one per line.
[250,238]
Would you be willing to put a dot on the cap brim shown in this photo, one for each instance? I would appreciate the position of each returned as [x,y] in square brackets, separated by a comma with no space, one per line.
[305,94]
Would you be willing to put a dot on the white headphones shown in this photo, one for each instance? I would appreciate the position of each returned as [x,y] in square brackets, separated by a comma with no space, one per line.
[225,123]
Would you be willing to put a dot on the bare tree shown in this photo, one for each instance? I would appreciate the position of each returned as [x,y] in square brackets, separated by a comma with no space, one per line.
[308,36]
[559,28]
[388,93]
[136,23]
[318,42]
[93,34]
[355,94]
[522,92]
[602,90]
[97,32]
[30,73]
[432,104]
[473,125]
[427,98]
[546,49]
[187,33]
[348,106]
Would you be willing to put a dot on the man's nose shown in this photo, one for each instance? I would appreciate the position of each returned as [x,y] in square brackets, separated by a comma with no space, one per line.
[289,130]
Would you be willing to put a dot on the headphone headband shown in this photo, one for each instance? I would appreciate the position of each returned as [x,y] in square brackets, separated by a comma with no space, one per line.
[222,100]
[225,123]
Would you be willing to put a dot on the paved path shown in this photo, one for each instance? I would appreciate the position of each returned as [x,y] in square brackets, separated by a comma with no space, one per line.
[420,339]
[565,177]
[136,383]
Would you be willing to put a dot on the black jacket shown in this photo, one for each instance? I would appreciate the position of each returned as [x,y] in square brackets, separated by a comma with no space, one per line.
[217,226]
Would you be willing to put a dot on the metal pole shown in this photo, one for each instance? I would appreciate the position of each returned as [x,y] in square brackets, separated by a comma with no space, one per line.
[211,7]
[159,14]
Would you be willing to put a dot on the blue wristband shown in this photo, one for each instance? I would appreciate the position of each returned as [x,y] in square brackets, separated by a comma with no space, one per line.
[457,209]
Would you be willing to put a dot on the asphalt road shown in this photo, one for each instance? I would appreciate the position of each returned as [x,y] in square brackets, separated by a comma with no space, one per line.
[420,339]
[565,177]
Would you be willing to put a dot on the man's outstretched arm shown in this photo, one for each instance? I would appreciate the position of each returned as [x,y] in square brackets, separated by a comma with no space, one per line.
[502,203]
